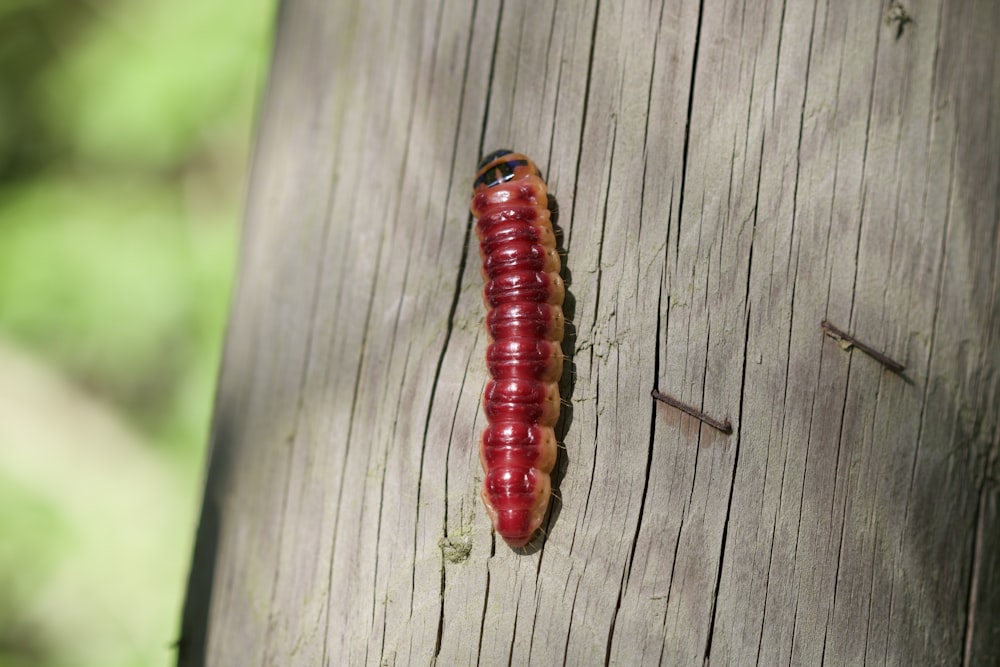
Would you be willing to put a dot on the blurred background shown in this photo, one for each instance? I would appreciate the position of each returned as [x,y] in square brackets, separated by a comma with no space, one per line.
[125,134]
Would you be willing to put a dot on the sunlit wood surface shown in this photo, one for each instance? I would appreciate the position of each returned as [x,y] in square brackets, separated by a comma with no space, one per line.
[729,175]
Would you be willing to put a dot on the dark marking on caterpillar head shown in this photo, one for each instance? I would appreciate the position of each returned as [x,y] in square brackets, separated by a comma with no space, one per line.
[493,156]
[494,169]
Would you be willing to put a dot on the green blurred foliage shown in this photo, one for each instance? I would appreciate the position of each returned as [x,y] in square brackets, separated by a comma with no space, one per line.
[124,134]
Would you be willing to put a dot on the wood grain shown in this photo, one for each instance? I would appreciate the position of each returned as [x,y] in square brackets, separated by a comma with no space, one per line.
[729,174]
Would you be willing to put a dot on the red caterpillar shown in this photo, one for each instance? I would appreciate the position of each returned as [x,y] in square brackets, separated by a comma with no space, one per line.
[524,296]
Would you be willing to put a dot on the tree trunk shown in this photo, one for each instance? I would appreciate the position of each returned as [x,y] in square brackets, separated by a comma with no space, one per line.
[728,175]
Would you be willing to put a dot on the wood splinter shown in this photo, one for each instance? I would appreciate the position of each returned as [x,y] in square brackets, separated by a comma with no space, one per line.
[848,340]
[724,427]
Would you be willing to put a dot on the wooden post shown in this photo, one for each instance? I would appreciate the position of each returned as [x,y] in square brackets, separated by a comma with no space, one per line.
[729,175]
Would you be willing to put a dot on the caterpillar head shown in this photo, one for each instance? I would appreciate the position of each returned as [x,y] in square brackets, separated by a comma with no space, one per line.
[503,165]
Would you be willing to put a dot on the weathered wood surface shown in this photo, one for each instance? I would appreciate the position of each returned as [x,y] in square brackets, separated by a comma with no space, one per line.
[729,174]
